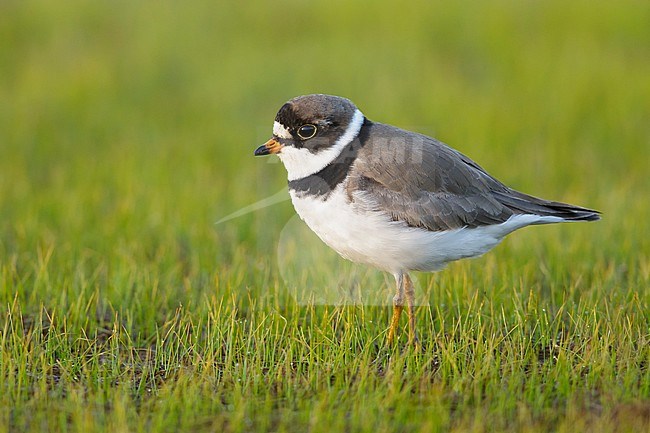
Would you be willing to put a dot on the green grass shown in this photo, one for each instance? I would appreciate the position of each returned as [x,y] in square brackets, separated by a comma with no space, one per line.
[127,131]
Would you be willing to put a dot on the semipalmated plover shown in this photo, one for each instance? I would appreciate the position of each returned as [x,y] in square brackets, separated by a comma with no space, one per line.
[394,199]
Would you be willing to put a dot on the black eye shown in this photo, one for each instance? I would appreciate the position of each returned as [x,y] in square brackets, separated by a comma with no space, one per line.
[307,131]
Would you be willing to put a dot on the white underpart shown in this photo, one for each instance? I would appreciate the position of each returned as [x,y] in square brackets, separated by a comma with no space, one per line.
[280,131]
[372,238]
[301,162]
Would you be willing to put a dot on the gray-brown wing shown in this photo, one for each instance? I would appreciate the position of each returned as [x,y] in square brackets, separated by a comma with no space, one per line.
[423,182]
[426,184]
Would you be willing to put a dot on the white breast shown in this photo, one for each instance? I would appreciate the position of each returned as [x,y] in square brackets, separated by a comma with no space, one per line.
[370,237]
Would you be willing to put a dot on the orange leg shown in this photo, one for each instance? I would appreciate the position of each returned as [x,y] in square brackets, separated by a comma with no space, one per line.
[398,306]
[410,299]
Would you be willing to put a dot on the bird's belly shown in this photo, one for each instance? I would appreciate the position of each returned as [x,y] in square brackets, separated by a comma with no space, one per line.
[372,238]
[357,236]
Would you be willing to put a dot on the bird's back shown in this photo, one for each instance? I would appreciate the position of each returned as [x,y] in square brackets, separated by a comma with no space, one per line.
[427,184]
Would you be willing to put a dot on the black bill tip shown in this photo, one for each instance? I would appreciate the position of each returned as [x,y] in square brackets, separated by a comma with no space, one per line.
[262,150]
[271,146]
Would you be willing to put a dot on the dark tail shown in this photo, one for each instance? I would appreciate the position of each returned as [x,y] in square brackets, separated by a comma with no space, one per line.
[527,204]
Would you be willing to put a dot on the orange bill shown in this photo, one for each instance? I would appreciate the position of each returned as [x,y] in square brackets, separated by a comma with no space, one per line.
[271,146]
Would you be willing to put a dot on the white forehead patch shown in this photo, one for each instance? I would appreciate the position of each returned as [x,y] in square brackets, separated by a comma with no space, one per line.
[300,162]
[280,130]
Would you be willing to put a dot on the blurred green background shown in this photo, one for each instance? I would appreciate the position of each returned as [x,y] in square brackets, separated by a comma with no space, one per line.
[130,123]
[127,130]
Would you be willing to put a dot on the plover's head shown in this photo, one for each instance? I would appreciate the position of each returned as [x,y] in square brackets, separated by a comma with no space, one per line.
[310,131]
